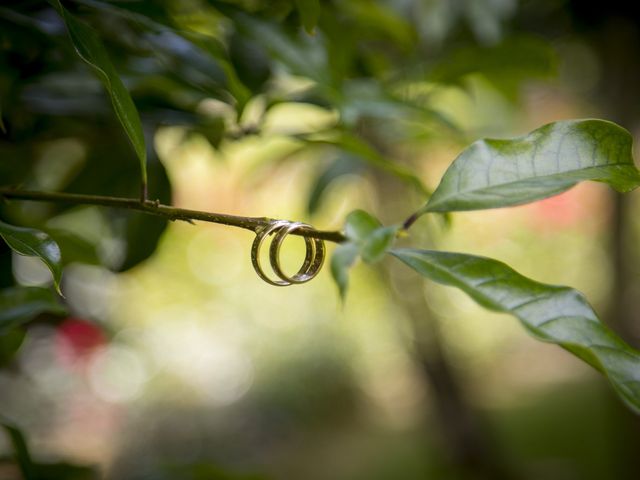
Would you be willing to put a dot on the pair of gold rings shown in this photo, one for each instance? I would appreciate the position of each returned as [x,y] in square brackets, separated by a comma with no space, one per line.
[313,260]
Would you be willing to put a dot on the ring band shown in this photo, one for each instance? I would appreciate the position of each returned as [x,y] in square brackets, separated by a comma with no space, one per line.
[314,253]
[314,257]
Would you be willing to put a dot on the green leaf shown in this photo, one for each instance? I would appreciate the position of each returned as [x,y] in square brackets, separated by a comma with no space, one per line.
[367,233]
[309,11]
[91,50]
[377,244]
[20,304]
[10,343]
[343,165]
[367,238]
[344,256]
[550,313]
[506,65]
[548,161]
[21,451]
[350,143]
[359,225]
[76,248]
[34,243]
[41,471]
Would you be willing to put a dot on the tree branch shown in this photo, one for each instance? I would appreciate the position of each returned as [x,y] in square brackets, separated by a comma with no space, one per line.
[156,208]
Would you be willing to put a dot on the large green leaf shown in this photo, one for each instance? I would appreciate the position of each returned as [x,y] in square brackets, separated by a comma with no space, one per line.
[34,243]
[20,304]
[551,313]
[91,50]
[548,161]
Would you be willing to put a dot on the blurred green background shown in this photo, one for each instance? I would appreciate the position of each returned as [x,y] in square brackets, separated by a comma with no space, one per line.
[177,362]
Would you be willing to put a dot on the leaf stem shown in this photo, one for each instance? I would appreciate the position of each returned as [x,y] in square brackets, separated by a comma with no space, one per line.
[156,208]
[406,225]
[144,189]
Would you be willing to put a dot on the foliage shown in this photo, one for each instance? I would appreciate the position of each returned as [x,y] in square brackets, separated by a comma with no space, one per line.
[159,63]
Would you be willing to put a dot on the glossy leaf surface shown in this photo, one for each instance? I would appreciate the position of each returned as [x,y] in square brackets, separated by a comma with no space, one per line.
[548,161]
[34,243]
[550,313]
[91,50]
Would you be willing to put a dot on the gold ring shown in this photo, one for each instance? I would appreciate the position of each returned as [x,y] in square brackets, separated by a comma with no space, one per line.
[314,258]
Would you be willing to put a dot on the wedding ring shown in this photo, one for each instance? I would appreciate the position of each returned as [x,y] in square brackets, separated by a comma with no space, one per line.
[311,265]
[314,258]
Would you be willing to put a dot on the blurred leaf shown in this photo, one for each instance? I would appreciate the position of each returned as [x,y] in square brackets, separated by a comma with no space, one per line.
[90,49]
[344,256]
[18,305]
[548,161]
[142,232]
[208,471]
[65,471]
[382,22]
[369,235]
[343,165]
[76,248]
[40,471]
[377,244]
[359,225]
[350,143]
[309,11]
[300,54]
[108,171]
[250,61]
[550,313]
[10,343]
[20,449]
[505,65]
[34,243]
[367,238]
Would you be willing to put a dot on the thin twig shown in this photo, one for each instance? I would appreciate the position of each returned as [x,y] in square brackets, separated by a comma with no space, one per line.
[156,208]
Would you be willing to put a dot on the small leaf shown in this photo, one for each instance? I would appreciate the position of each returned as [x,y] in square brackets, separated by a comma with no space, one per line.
[377,244]
[309,11]
[34,243]
[91,50]
[18,305]
[344,256]
[366,238]
[359,225]
[548,161]
[550,313]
